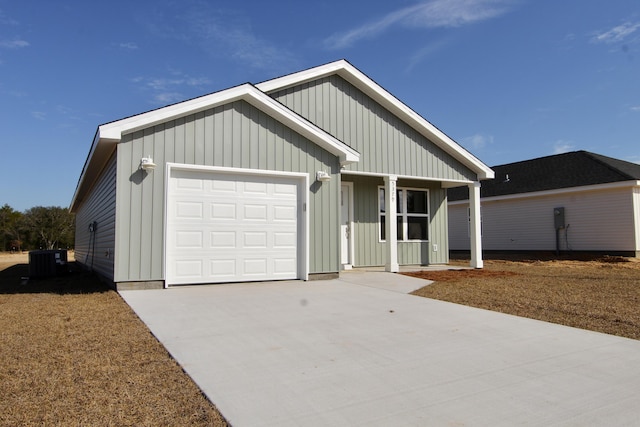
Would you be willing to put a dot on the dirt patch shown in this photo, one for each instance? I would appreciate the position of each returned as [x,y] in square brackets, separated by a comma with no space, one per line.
[453,274]
[74,353]
[601,294]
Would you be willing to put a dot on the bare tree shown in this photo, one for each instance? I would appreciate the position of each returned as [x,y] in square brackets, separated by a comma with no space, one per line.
[50,226]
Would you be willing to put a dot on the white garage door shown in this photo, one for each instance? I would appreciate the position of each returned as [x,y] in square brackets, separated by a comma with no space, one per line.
[229,227]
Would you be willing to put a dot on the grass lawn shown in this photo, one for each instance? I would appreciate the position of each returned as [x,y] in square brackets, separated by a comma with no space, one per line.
[74,353]
[601,294]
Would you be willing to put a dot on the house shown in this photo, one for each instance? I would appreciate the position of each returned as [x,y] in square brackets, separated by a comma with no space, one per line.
[297,177]
[577,201]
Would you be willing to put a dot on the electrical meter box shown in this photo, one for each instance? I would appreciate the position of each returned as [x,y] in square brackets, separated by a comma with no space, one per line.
[558,218]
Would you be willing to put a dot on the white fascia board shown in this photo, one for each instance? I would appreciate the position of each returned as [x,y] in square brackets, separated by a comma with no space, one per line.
[247,92]
[360,80]
[305,128]
[114,130]
[111,133]
[556,192]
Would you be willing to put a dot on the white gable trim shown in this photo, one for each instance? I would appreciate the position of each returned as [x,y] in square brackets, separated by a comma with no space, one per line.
[110,134]
[354,76]
[114,131]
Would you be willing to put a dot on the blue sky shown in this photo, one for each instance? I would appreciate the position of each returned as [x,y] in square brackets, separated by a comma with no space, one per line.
[507,79]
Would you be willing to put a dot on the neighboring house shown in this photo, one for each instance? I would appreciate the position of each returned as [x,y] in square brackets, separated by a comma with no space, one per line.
[576,201]
[286,179]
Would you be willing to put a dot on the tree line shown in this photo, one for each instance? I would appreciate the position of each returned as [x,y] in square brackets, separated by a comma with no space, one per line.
[40,227]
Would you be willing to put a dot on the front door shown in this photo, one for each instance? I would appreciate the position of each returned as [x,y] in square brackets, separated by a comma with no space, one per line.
[346,248]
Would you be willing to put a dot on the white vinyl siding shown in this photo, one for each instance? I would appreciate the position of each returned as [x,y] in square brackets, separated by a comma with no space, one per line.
[598,220]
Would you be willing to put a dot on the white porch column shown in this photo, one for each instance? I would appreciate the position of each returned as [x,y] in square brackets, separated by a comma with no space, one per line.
[474,223]
[391,226]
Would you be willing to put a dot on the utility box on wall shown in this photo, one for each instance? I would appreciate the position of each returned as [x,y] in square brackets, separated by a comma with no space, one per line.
[558,218]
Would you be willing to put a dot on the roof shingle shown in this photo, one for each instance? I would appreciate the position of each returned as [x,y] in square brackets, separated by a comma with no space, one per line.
[574,169]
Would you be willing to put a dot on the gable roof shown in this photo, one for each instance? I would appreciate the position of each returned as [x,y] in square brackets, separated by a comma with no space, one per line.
[372,89]
[574,169]
[109,134]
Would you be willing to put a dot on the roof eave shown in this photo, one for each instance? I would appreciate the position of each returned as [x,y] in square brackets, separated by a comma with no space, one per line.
[109,135]
[360,80]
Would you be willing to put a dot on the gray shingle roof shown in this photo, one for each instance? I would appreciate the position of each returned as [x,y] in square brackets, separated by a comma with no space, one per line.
[574,169]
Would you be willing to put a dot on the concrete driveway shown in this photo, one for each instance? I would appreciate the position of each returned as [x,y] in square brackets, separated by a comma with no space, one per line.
[360,351]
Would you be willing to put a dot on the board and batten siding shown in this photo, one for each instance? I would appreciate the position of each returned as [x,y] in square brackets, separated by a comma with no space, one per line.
[599,220]
[95,250]
[233,135]
[386,144]
[370,251]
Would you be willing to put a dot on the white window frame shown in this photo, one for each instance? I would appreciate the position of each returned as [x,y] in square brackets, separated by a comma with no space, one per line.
[404,215]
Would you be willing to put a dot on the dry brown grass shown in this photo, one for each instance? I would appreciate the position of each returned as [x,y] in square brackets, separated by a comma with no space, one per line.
[600,295]
[73,353]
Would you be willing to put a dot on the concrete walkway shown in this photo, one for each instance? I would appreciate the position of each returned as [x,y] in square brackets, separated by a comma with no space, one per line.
[360,351]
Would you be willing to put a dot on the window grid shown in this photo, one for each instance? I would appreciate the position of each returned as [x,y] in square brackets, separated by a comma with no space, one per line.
[411,219]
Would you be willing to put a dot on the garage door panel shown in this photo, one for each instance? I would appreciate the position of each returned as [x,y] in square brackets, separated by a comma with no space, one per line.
[189,240]
[189,268]
[284,213]
[231,227]
[223,268]
[223,239]
[189,210]
[255,188]
[255,212]
[225,186]
[284,240]
[223,211]
[187,184]
[284,266]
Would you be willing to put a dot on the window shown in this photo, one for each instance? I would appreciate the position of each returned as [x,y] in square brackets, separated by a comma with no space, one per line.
[412,214]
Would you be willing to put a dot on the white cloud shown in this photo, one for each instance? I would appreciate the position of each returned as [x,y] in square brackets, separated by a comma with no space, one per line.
[220,34]
[128,46]
[40,115]
[13,44]
[635,109]
[168,97]
[477,141]
[6,20]
[617,33]
[167,90]
[562,146]
[426,14]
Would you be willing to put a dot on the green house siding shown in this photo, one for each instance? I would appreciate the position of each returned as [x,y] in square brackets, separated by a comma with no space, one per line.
[94,247]
[386,144]
[370,251]
[234,135]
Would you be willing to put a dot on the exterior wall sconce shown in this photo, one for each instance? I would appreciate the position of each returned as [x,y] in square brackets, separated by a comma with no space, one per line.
[322,176]
[146,163]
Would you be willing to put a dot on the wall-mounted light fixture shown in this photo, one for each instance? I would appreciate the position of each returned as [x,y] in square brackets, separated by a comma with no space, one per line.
[323,176]
[146,163]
